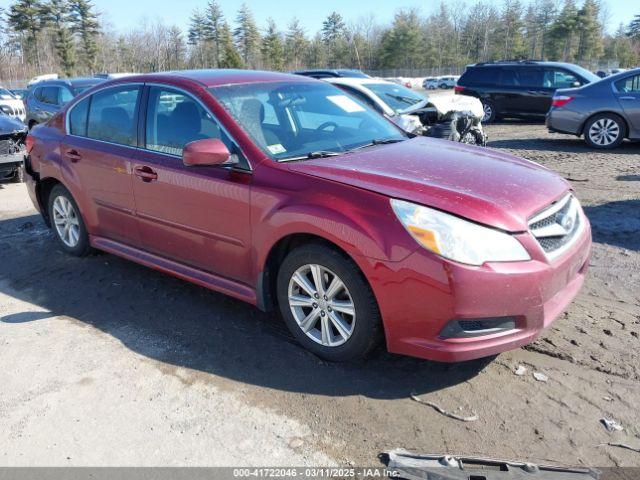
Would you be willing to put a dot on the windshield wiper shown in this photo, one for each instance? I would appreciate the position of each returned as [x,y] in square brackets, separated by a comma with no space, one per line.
[383,141]
[312,155]
[409,100]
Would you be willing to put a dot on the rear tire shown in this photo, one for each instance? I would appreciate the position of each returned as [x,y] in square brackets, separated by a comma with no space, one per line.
[489,111]
[67,223]
[605,131]
[324,324]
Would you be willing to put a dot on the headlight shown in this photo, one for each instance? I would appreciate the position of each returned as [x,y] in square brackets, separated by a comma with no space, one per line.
[457,239]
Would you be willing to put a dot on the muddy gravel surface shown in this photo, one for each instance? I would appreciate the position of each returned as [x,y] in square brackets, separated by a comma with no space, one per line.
[178,365]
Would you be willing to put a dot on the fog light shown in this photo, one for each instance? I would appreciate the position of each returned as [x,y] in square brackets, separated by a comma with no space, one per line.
[476,327]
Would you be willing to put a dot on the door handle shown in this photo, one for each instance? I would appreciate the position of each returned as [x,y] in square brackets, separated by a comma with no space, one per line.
[626,98]
[146,174]
[73,155]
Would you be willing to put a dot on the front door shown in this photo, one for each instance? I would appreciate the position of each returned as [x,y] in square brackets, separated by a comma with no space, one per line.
[198,216]
[98,152]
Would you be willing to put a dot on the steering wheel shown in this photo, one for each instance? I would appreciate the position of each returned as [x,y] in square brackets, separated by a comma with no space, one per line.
[326,125]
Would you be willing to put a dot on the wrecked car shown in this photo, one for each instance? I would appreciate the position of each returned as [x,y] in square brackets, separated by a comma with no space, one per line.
[12,147]
[10,105]
[451,117]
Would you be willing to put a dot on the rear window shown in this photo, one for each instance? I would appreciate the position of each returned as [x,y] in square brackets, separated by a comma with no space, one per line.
[629,85]
[480,76]
[112,115]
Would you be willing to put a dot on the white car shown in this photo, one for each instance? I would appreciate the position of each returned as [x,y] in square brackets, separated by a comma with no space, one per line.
[430,83]
[448,81]
[412,111]
[11,106]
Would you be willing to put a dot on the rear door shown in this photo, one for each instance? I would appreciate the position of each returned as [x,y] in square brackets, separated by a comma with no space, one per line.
[532,98]
[97,151]
[198,216]
[555,78]
[627,91]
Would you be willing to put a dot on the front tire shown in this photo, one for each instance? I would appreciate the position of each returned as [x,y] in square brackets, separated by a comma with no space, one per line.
[605,131]
[327,304]
[67,223]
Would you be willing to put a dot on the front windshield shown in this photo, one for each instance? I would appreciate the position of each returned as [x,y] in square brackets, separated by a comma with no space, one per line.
[290,120]
[6,94]
[586,74]
[398,97]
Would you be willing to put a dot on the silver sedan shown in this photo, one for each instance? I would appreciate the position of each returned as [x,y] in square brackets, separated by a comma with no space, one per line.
[605,112]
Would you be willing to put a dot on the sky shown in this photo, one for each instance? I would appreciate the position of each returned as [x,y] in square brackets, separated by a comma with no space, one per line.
[125,15]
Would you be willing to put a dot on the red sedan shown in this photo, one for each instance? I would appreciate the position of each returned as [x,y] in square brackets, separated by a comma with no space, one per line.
[289,194]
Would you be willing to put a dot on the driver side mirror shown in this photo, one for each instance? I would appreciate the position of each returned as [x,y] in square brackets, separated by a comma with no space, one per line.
[576,84]
[207,152]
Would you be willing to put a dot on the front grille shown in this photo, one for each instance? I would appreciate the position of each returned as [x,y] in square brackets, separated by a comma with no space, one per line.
[10,144]
[557,226]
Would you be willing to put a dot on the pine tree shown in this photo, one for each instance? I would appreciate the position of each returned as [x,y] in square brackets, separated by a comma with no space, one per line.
[272,48]
[28,17]
[511,31]
[589,32]
[247,36]
[59,14]
[296,45]
[335,40]
[196,36]
[633,30]
[213,30]
[87,27]
[563,33]
[229,56]
[402,45]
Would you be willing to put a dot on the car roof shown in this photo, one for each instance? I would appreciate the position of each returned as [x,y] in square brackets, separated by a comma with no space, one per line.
[522,63]
[337,72]
[74,82]
[217,77]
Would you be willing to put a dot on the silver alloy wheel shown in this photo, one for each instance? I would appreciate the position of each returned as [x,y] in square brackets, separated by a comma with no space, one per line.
[604,131]
[487,112]
[321,305]
[66,221]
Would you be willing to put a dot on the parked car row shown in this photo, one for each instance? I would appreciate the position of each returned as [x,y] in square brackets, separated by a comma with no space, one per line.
[295,196]
[571,99]
[432,83]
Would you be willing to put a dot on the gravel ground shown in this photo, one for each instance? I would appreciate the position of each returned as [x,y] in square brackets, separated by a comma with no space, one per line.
[105,362]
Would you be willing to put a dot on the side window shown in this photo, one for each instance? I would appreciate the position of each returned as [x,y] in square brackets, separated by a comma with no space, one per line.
[65,95]
[37,94]
[530,77]
[175,119]
[112,115]
[554,78]
[78,118]
[509,77]
[49,95]
[629,85]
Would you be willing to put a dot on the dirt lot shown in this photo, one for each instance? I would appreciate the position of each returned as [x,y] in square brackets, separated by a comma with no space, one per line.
[105,362]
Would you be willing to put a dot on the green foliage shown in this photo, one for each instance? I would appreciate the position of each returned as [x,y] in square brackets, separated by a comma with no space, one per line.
[272,47]
[334,38]
[247,36]
[296,45]
[229,55]
[59,14]
[85,24]
[633,30]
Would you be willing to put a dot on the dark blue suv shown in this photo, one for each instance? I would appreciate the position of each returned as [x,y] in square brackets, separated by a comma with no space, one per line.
[519,88]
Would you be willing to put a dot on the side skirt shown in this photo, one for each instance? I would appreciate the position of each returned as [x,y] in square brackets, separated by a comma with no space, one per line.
[193,275]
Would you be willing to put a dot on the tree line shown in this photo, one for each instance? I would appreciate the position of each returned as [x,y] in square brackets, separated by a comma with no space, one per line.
[71,38]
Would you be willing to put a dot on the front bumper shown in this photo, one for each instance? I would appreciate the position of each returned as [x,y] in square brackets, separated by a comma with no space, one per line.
[420,295]
[10,163]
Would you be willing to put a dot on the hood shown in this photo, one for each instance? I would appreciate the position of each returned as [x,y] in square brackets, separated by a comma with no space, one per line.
[483,185]
[10,125]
